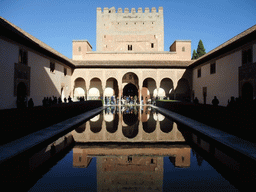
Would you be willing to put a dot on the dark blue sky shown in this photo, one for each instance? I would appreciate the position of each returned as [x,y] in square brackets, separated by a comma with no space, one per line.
[57,22]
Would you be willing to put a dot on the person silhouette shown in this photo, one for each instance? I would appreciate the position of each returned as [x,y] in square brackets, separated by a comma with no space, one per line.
[215,101]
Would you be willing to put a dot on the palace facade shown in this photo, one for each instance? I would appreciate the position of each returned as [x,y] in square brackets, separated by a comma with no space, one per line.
[129,61]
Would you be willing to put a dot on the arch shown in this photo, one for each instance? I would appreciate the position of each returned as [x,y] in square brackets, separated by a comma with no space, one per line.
[148,89]
[131,131]
[130,127]
[95,92]
[158,117]
[182,91]
[130,119]
[113,125]
[96,123]
[166,125]
[79,88]
[62,94]
[167,89]
[81,128]
[130,77]
[150,125]
[160,93]
[130,90]
[111,91]
[247,91]
[21,95]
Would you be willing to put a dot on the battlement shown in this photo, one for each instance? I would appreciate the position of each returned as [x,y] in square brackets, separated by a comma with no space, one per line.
[107,10]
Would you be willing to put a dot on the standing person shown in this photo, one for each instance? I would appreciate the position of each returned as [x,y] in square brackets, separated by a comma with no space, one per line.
[215,101]
[30,103]
[135,99]
[69,99]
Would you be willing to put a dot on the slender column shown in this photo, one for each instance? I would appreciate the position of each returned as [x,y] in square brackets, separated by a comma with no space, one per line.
[120,90]
[139,94]
[120,95]
[140,89]
[86,94]
[87,89]
[175,84]
[103,90]
[157,88]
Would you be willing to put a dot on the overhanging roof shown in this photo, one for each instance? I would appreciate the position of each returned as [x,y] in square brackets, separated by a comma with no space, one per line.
[12,32]
[131,64]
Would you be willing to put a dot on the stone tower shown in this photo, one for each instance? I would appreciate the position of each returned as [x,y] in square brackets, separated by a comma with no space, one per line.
[130,31]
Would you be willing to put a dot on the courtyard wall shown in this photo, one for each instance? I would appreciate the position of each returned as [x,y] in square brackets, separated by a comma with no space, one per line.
[40,81]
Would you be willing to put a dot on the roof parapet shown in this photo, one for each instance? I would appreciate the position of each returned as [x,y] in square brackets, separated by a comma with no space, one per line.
[126,10]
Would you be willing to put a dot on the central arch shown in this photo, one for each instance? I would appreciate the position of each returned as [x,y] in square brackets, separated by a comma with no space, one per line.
[130,85]
[130,90]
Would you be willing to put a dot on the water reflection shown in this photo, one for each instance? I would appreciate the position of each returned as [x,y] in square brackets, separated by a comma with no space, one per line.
[128,124]
[134,149]
[130,167]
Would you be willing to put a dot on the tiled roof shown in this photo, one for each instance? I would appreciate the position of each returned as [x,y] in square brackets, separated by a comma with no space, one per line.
[27,36]
[133,64]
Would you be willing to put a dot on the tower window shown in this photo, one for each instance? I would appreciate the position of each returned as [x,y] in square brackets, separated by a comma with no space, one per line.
[79,49]
[129,47]
[152,45]
[183,49]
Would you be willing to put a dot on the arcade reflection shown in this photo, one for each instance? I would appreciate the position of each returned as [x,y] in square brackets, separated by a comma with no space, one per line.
[122,162]
[128,124]
[132,149]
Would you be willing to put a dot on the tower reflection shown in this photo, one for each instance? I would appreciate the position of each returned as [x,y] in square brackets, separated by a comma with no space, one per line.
[130,167]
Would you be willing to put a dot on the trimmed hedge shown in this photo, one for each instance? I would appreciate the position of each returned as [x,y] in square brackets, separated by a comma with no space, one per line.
[17,123]
[239,120]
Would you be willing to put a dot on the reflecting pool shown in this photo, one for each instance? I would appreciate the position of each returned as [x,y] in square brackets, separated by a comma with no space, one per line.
[131,149]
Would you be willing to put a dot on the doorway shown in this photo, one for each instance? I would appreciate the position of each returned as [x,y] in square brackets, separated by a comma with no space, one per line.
[21,95]
[130,90]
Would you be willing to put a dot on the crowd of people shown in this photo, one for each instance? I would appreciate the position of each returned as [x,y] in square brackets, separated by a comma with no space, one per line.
[49,101]
[129,100]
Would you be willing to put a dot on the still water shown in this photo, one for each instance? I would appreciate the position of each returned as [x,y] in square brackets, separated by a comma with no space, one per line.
[131,149]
